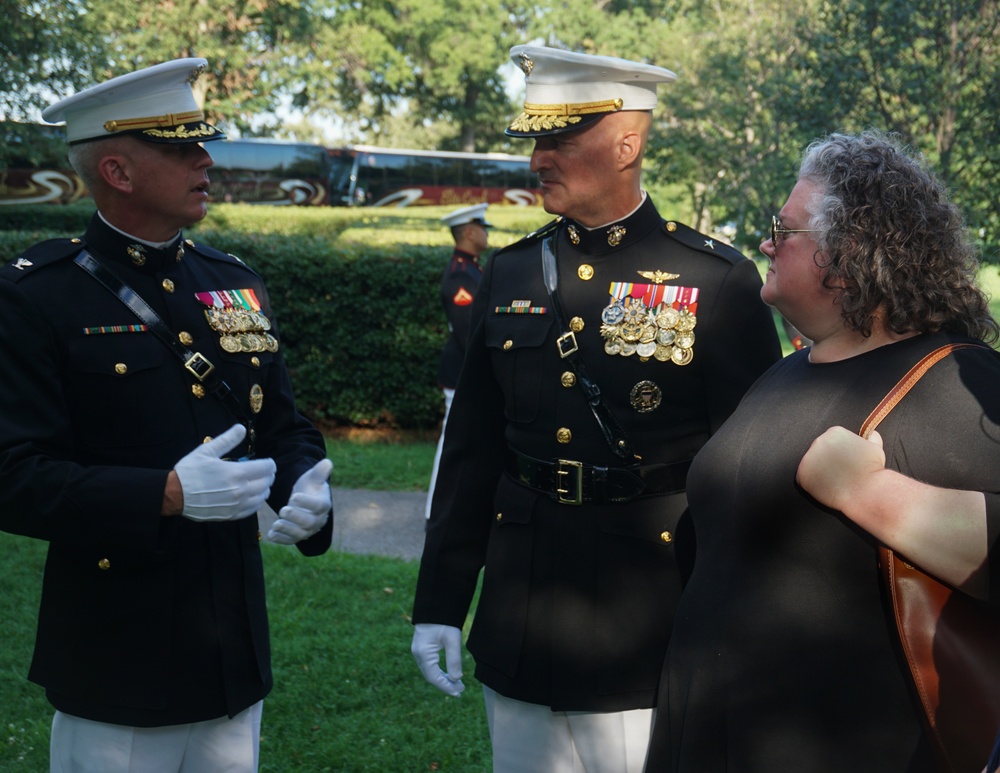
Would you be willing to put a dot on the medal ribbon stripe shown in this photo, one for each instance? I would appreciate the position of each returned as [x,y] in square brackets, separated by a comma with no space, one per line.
[102,329]
[652,295]
[521,310]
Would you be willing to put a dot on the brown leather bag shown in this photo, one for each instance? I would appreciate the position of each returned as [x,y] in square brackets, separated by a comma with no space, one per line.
[950,640]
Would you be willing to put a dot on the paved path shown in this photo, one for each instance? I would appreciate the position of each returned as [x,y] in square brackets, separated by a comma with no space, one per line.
[385,523]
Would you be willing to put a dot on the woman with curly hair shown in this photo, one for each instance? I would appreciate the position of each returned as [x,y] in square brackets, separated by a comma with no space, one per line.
[783,655]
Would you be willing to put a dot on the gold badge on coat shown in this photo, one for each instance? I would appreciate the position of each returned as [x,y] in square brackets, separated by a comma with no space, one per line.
[646,396]
[256,398]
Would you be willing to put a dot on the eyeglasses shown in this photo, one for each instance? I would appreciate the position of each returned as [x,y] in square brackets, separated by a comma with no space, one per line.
[777,231]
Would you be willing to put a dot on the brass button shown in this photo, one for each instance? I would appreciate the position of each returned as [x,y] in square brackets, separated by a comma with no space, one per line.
[568,379]
[576,324]
[207,439]
[76,240]
[667,536]
[259,535]
[104,564]
[585,272]
[121,368]
[168,285]
[671,227]
[499,516]
[255,361]
[563,435]
[198,390]
[507,345]
[185,338]
[189,243]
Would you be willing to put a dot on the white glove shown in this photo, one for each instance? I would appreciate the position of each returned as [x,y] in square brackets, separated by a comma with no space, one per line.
[308,507]
[217,490]
[428,641]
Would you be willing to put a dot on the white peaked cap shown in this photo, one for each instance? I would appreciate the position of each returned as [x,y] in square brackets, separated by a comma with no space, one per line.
[565,90]
[154,104]
[474,214]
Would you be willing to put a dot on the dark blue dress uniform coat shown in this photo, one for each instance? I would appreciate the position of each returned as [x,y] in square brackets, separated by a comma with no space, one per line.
[577,600]
[459,282]
[145,620]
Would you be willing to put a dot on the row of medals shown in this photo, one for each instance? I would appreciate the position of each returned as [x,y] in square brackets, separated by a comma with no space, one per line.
[242,330]
[663,333]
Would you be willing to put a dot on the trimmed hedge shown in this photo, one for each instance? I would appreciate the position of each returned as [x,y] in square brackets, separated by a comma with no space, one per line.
[355,292]
[361,331]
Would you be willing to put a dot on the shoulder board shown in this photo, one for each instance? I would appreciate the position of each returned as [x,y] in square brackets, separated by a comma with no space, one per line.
[210,252]
[534,236]
[40,255]
[700,242]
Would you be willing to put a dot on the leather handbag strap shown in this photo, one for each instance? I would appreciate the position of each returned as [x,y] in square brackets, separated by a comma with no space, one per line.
[614,433]
[906,383]
[194,363]
[959,644]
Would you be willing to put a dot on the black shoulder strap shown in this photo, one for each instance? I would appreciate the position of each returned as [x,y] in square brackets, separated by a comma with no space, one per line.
[194,363]
[614,433]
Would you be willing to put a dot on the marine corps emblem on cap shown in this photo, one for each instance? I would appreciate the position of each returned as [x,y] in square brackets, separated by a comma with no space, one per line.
[155,104]
[565,90]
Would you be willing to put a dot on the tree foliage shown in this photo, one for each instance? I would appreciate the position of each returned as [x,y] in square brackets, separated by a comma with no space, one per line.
[929,71]
[426,62]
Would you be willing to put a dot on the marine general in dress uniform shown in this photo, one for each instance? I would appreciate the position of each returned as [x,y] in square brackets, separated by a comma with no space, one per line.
[147,416]
[607,348]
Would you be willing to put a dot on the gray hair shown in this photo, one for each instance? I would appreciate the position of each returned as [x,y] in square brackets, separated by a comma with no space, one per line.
[891,241]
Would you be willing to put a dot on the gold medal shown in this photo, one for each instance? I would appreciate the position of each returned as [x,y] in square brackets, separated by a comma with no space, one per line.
[687,321]
[646,350]
[631,333]
[681,356]
[668,318]
[685,340]
[229,344]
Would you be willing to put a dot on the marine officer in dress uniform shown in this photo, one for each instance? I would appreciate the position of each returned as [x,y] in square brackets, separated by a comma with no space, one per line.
[147,416]
[459,282]
[607,347]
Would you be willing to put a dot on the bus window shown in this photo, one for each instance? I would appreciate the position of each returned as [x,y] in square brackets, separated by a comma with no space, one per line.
[343,179]
[266,172]
[400,178]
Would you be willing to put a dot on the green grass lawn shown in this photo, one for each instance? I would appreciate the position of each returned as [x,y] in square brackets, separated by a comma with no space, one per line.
[347,697]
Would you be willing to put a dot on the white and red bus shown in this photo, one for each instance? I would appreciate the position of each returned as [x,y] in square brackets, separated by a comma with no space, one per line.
[363,175]
[277,172]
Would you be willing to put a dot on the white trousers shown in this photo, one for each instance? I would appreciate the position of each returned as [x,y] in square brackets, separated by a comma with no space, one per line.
[221,745]
[528,738]
[449,395]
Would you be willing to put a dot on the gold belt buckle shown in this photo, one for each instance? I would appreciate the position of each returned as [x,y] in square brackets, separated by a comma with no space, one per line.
[566,344]
[199,366]
[569,480]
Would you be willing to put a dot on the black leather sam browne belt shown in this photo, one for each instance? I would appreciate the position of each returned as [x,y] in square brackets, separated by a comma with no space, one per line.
[572,483]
